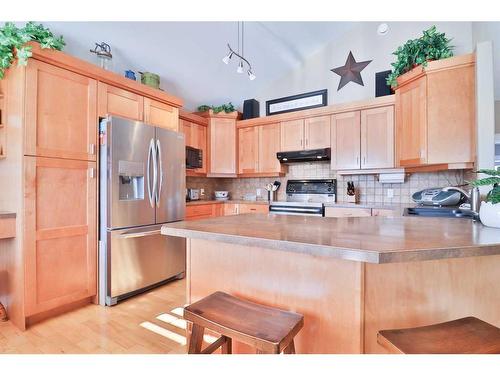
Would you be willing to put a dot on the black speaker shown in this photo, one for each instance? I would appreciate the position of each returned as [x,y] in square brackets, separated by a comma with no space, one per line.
[251,109]
[381,88]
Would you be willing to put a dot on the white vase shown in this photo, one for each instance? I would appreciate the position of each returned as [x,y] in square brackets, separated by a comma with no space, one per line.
[489,214]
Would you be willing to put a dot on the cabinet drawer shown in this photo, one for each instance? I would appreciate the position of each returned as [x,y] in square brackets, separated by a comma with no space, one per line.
[203,211]
[347,212]
[253,208]
[383,212]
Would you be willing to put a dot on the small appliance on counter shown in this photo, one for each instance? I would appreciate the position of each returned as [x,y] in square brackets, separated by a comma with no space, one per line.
[192,195]
[221,195]
[448,196]
[445,202]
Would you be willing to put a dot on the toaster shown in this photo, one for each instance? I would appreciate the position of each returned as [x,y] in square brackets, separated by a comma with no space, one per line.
[439,197]
[192,194]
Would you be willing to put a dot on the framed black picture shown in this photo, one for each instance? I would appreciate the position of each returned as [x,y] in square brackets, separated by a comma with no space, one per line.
[299,102]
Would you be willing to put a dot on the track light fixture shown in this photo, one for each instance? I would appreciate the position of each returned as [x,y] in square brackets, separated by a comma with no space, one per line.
[243,61]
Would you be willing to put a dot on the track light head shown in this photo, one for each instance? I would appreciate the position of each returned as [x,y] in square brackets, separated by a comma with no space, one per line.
[240,67]
[226,58]
[251,76]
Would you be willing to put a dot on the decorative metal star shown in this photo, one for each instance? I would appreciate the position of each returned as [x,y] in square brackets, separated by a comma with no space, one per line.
[351,71]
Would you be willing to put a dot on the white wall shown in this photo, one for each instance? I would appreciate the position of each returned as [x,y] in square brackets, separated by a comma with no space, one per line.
[365,44]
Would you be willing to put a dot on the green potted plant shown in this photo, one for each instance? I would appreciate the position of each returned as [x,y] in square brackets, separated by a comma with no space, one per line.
[489,212]
[227,108]
[13,43]
[432,45]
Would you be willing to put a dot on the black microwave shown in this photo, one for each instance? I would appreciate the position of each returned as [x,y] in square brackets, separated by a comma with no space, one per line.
[194,158]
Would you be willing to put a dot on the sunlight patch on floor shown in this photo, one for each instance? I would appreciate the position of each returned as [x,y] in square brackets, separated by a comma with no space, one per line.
[164,332]
[173,320]
[178,311]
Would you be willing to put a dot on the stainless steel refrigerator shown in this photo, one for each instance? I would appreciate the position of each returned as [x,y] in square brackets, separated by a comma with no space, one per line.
[142,186]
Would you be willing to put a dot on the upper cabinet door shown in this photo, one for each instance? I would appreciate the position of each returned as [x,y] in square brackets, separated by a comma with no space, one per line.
[292,135]
[317,132]
[346,142]
[411,123]
[61,116]
[248,150]
[161,114]
[121,103]
[222,146]
[269,146]
[377,138]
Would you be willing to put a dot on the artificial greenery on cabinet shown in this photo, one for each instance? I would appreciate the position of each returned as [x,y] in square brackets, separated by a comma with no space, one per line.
[227,108]
[432,45]
[13,42]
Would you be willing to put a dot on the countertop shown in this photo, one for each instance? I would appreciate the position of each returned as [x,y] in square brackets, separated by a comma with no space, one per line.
[7,215]
[364,239]
[213,201]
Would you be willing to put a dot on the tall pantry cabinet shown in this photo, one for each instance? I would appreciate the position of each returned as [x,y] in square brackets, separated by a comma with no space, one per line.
[50,112]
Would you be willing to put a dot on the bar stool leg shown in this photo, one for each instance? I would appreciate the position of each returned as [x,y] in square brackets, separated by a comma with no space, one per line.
[196,339]
[227,347]
[290,349]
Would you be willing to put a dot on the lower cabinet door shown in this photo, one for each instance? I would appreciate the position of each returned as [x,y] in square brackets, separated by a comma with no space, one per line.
[60,238]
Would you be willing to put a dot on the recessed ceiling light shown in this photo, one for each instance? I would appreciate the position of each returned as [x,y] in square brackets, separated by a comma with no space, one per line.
[382,29]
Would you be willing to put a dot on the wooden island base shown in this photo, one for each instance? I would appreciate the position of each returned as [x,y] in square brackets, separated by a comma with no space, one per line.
[344,302]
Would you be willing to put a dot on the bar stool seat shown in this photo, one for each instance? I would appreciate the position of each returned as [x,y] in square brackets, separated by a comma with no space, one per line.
[462,336]
[267,329]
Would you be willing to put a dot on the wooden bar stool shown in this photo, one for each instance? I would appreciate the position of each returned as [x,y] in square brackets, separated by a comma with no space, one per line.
[462,336]
[267,329]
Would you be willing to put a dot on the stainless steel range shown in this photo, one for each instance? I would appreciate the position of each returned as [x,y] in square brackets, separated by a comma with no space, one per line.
[306,197]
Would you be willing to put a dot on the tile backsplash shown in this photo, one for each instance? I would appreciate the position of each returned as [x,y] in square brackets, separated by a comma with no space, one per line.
[369,189]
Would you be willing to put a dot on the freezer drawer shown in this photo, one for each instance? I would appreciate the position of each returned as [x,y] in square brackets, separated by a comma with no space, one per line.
[140,258]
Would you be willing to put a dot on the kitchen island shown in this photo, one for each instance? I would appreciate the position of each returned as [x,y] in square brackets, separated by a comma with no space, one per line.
[349,277]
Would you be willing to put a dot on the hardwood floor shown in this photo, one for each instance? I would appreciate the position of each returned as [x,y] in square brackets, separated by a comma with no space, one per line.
[149,323]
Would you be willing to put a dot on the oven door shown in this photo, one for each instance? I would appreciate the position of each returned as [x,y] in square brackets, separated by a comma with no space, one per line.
[296,210]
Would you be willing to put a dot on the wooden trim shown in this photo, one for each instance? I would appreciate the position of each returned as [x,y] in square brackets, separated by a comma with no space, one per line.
[192,117]
[329,110]
[349,172]
[210,114]
[438,167]
[262,174]
[57,311]
[435,66]
[76,65]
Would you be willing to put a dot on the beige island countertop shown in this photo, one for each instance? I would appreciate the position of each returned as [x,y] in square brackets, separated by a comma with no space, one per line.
[364,239]
[349,277]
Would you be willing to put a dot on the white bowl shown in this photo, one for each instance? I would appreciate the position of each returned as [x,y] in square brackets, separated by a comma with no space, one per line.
[221,194]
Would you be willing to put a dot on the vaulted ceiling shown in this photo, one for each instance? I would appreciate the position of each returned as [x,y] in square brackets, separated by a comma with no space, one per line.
[188,55]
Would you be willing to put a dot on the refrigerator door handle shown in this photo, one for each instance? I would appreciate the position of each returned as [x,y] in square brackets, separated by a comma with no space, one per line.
[160,164]
[151,187]
[140,234]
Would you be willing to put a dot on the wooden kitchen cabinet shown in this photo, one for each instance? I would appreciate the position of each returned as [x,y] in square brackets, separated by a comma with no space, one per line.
[363,139]
[248,150]
[385,212]
[377,138]
[222,146]
[269,146]
[161,114]
[196,137]
[317,132]
[292,135]
[411,123]
[60,113]
[347,212]
[346,143]
[231,209]
[436,114]
[116,101]
[252,208]
[60,236]
[204,211]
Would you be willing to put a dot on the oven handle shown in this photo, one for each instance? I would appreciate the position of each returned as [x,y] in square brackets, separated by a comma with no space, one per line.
[297,209]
